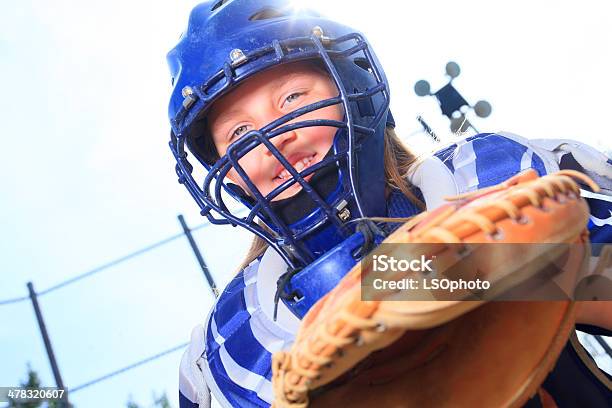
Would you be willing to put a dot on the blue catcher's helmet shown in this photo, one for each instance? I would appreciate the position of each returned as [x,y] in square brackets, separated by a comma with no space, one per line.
[228,41]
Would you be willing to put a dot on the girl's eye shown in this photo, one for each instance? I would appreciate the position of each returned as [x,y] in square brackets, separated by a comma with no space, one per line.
[239,131]
[293,97]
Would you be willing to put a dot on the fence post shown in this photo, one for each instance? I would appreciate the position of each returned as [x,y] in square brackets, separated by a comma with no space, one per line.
[46,340]
[198,255]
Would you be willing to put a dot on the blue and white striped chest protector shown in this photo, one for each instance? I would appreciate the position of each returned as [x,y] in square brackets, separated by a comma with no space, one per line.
[231,355]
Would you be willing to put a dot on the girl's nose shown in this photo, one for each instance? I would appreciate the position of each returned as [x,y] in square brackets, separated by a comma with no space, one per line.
[281,141]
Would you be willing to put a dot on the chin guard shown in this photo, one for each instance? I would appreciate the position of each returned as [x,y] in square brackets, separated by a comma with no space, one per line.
[301,288]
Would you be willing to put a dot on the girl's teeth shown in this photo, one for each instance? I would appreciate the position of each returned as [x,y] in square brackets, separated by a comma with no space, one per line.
[299,166]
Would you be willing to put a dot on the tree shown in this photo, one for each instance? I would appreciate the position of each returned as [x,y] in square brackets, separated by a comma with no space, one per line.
[33,381]
[158,402]
[162,402]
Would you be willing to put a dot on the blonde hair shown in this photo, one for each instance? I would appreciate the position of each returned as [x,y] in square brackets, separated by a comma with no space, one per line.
[399,160]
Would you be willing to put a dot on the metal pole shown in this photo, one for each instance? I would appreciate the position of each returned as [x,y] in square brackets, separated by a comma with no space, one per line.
[428,129]
[604,345]
[198,256]
[47,341]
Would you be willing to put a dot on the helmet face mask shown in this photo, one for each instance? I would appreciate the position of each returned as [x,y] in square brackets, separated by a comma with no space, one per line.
[209,62]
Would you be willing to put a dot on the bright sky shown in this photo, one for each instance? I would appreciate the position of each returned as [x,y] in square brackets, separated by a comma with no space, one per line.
[88,177]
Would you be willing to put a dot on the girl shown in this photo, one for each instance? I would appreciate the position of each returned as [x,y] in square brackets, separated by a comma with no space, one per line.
[288,114]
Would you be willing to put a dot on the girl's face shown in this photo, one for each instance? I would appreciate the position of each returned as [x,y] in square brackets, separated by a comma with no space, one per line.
[262,99]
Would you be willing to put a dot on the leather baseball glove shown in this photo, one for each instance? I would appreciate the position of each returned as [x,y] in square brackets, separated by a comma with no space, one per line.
[467,350]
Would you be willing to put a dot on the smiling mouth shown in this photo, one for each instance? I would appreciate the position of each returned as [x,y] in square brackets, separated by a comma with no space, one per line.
[299,165]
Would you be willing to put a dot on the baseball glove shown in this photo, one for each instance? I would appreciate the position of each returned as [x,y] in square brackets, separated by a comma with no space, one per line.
[464,351]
